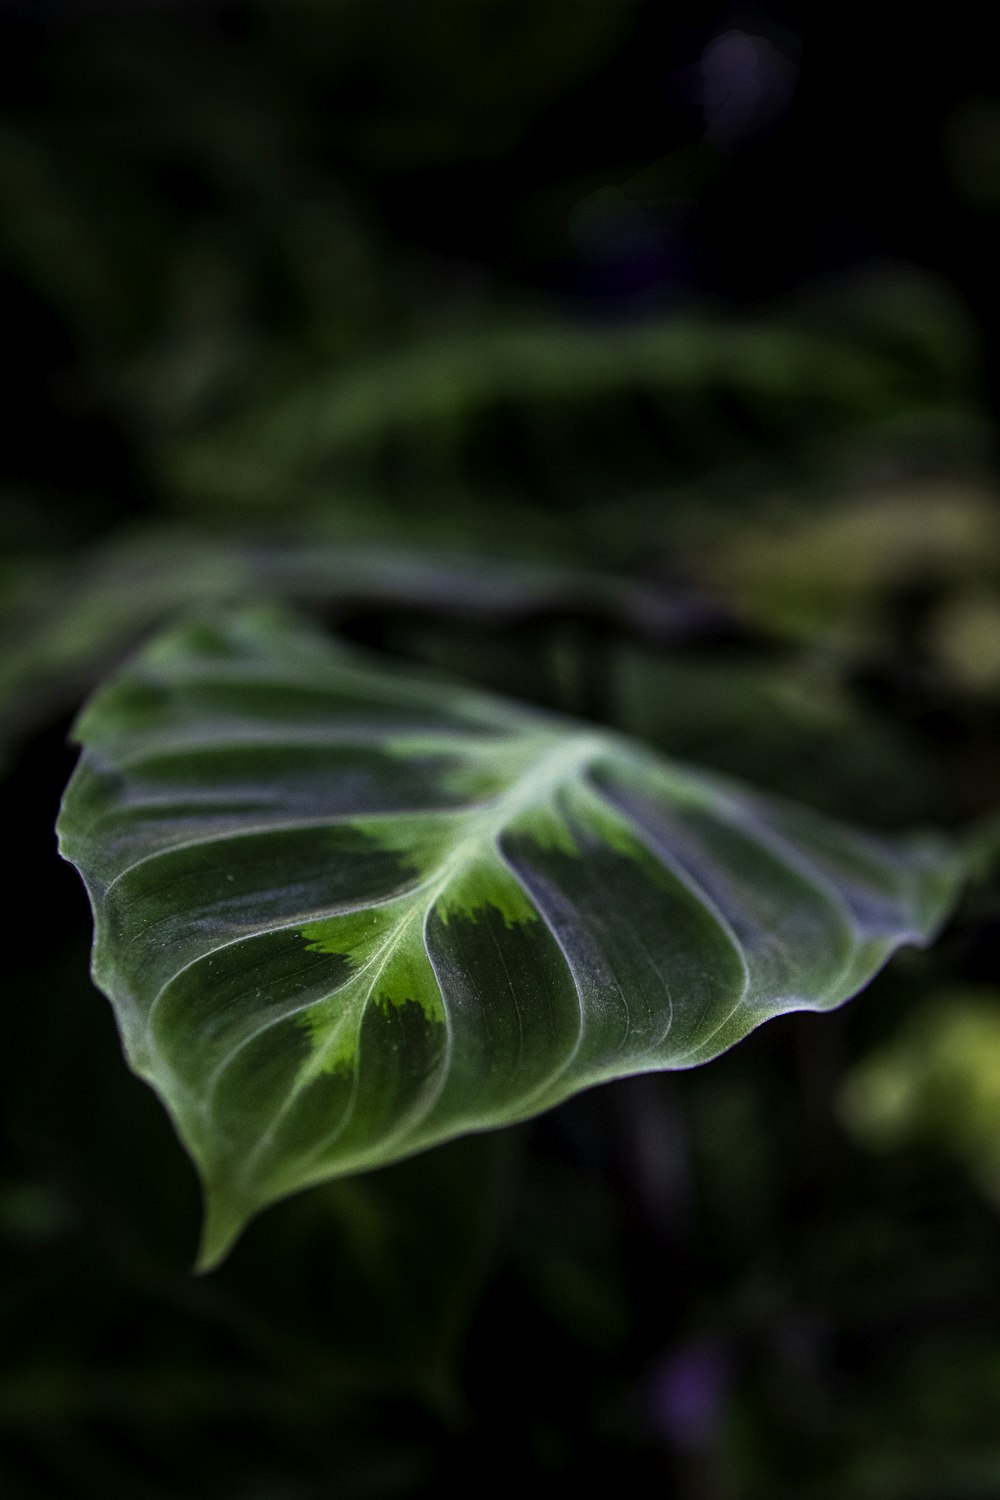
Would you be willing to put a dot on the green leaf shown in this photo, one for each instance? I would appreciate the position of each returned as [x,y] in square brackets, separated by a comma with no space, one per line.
[937,1079]
[344,912]
[554,393]
[65,623]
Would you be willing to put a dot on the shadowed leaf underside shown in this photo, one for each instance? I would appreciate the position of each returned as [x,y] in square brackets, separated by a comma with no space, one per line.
[344,912]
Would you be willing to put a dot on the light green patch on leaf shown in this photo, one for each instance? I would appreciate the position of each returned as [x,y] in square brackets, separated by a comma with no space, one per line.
[547,826]
[374,943]
[344,912]
[419,840]
[480,882]
[612,829]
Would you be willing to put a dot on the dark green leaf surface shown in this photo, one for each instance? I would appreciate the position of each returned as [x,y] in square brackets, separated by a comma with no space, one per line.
[344,913]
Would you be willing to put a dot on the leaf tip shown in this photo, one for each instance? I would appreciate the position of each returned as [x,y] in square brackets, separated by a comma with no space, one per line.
[221,1228]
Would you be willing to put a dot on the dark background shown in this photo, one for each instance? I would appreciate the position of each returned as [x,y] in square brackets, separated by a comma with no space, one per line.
[699,302]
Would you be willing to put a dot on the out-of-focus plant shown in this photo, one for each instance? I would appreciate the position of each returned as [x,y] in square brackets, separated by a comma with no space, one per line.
[936,1082]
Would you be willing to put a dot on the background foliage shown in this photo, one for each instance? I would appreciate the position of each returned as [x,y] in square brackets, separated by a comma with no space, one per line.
[636,363]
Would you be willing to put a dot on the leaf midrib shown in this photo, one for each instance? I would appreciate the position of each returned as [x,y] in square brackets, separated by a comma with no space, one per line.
[563,760]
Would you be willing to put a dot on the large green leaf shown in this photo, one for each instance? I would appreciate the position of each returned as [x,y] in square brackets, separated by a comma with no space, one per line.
[343,912]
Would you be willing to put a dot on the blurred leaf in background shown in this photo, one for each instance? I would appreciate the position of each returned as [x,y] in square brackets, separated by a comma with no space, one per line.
[936,1081]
